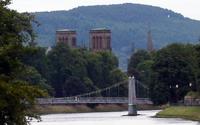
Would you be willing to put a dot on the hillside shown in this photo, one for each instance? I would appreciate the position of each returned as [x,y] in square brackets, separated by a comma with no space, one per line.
[129,24]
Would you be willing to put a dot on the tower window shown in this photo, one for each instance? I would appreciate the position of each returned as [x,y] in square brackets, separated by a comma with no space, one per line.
[66,39]
[108,42]
[93,41]
[73,41]
[63,39]
[60,39]
[100,42]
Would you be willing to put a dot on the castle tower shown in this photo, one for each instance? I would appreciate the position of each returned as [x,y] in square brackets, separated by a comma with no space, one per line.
[100,40]
[66,36]
[149,42]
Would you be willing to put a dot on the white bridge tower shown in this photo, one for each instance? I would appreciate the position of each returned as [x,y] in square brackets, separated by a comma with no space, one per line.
[132,110]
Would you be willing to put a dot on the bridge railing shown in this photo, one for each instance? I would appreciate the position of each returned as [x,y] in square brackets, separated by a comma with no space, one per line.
[85,100]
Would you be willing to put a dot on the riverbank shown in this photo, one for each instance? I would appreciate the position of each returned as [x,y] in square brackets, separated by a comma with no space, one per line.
[185,112]
[55,109]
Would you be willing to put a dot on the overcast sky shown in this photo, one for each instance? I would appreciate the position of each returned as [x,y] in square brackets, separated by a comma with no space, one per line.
[188,8]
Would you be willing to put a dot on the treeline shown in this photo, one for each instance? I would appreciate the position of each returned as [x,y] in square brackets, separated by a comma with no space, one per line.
[170,72]
[64,71]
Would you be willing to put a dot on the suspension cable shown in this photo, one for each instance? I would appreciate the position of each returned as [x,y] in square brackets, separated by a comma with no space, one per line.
[101,90]
[108,89]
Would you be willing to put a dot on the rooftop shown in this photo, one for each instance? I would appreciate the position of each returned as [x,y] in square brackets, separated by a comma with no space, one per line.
[100,30]
[65,30]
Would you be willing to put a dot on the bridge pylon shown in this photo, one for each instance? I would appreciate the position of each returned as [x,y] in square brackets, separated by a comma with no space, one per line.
[132,110]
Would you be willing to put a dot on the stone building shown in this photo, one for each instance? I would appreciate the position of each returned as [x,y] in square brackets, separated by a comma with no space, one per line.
[100,40]
[66,36]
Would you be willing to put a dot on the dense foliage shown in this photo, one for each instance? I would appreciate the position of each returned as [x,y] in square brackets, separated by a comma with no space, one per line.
[72,72]
[17,91]
[129,23]
[170,72]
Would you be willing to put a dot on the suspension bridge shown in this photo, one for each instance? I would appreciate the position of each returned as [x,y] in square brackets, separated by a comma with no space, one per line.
[139,95]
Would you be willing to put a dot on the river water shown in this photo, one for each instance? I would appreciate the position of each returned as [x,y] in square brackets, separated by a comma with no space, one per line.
[110,118]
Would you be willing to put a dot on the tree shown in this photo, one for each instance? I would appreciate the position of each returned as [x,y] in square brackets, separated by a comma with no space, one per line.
[16,100]
[94,68]
[136,58]
[74,86]
[16,95]
[15,28]
[174,71]
[33,77]
[116,76]
[15,31]
[198,67]
[36,57]
[168,72]
[64,64]
[59,71]
[108,62]
[70,67]
[145,72]
[103,70]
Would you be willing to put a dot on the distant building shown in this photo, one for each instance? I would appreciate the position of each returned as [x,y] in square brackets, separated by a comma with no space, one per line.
[149,42]
[100,40]
[66,36]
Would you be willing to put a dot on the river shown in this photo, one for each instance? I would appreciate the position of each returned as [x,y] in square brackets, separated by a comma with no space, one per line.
[110,118]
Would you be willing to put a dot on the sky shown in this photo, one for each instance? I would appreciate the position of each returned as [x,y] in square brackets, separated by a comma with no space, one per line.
[188,8]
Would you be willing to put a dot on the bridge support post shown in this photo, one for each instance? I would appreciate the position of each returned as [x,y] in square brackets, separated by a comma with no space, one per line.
[132,110]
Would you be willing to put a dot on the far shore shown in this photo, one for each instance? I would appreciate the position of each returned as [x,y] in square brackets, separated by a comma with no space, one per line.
[57,109]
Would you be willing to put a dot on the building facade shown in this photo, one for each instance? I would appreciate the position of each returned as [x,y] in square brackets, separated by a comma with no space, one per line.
[67,36]
[100,40]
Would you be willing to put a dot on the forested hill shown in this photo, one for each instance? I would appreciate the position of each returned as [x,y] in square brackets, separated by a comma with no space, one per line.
[129,24]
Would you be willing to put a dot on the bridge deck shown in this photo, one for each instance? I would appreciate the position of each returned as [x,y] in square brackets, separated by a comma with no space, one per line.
[86,100]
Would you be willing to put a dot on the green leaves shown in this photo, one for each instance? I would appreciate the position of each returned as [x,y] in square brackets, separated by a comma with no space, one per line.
[136,58]
[168,71]
[15,101]
[175,65]
[75,71]
[15,28]
[17,96]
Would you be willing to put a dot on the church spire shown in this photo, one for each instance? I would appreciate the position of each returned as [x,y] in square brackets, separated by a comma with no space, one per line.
[149,41]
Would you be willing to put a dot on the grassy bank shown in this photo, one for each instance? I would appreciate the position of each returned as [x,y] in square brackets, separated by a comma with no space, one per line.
[186,112]
[54,109]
